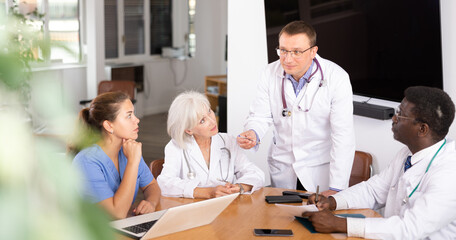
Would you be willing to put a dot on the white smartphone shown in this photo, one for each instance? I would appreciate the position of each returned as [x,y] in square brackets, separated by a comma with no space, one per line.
[273,232]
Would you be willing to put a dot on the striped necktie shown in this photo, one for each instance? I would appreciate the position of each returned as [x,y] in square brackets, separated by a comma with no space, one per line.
[408,163]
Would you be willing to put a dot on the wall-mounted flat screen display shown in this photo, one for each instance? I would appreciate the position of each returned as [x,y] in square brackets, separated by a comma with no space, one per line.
[384,45]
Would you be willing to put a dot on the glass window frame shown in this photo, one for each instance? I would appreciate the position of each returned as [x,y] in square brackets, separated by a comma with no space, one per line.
[122,57]
[43,9]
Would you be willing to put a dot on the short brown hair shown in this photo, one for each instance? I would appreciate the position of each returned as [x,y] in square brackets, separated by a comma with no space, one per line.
[298,27]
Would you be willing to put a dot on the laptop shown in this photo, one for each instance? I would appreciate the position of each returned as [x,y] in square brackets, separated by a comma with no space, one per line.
[173,220]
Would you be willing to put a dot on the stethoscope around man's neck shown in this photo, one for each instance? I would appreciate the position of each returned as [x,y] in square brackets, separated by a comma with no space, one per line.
[287,112]
[405,200]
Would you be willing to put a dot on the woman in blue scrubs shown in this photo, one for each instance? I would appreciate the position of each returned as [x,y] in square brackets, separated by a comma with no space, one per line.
[113,168]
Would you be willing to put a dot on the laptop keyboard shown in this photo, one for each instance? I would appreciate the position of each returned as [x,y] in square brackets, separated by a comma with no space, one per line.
[143,227]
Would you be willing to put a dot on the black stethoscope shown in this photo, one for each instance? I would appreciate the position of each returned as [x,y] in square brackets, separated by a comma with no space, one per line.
[225,152]
[285,111]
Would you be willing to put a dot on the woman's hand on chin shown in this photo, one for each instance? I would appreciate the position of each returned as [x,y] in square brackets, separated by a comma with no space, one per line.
[132,150]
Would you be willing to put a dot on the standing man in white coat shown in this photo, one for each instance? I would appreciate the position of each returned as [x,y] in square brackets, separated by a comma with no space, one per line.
[309,101]
[418,187]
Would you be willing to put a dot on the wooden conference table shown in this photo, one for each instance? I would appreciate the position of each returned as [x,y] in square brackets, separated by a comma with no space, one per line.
[247,212]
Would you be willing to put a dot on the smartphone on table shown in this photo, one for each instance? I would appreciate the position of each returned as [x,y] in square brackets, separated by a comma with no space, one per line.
[273,232]
[301,194]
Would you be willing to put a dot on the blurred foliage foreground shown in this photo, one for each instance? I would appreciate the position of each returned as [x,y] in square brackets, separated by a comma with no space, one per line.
[39,190]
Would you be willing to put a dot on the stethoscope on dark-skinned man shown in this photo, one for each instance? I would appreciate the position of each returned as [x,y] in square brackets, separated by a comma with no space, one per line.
[406,199]
[287,112]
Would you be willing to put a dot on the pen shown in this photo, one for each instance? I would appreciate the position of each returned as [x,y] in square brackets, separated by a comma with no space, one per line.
[247,138]
[316,195]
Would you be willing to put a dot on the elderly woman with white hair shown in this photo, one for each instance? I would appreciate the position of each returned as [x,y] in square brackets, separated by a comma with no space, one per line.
[200,162]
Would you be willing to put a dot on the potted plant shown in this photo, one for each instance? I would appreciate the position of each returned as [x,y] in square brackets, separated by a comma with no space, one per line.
[39,189]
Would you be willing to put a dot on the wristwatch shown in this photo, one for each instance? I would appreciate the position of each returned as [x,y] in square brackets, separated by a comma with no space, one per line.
[241,188]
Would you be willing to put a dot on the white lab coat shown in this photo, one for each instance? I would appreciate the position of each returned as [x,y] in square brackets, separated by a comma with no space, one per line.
[430,213]
[318,146]
[174,182]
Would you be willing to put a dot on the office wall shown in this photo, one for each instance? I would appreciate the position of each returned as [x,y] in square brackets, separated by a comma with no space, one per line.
[168,77]
[162,76]
[64,86]
[247,56]
[448,18]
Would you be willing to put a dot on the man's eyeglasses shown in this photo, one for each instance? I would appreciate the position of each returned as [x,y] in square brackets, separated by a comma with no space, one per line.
[397,113]
[293,54]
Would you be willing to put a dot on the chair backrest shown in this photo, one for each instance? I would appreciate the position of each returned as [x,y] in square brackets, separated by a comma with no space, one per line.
[362,168]
[127,87]
[156,167]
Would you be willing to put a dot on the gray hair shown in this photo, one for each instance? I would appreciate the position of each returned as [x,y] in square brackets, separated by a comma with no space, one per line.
[184,113]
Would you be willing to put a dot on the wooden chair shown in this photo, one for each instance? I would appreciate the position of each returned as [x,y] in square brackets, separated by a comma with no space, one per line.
[127,87]
[156,167]
[362,168]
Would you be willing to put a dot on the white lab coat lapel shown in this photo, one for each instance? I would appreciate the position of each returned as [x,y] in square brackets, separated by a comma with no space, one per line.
[406,182]
[290,96]
[196,156]
[214,167]
[309,90]
[396,194]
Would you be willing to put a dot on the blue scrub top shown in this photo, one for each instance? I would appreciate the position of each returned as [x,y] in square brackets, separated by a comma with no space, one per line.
[101,176]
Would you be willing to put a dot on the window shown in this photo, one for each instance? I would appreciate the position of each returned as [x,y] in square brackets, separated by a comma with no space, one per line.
[160,25]
[61,26]
[191,28]
[134,27]
[111,32]
[125,32]
[2,6]
[64,30]
[131,30]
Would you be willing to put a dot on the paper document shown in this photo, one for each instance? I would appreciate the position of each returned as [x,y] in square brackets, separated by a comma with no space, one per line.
[297,210]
